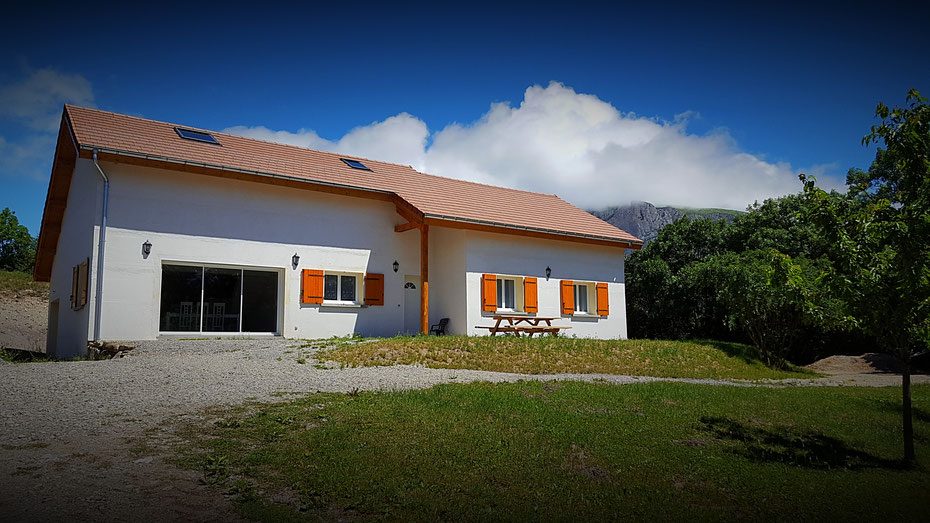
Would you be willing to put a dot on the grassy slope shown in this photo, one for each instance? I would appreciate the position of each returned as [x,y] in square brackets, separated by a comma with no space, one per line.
[703,359]
[572,451]
[21,284]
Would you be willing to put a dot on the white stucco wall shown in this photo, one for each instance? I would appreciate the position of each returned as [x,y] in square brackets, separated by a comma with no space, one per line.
[76,243]
[489,253]
[196,219]
[448,297]
[200,219]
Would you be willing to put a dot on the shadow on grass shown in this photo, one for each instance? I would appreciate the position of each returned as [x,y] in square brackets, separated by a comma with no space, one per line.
[781,445]
[734,350]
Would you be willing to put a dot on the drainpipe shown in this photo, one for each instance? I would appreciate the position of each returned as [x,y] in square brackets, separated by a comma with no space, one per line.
[101,248]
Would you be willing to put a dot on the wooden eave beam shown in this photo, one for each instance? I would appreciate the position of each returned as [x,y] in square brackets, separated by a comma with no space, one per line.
[409,226]
[59,184]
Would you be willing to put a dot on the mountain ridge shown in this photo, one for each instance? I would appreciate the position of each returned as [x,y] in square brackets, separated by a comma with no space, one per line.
[644,220]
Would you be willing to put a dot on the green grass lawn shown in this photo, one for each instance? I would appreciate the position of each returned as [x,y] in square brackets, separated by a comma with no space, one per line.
[570,451]
[696,359]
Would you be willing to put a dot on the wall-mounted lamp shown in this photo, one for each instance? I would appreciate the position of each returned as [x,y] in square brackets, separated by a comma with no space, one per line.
[396,265]
[548,272]
[295,260]
[146,248]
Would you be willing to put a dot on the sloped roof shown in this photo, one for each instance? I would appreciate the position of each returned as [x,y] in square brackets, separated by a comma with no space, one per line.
[437,199]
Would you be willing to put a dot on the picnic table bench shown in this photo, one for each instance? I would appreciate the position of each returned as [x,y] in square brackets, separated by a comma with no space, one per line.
[515,325]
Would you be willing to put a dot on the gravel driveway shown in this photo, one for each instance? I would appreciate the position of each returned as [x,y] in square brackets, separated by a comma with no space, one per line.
[67,429]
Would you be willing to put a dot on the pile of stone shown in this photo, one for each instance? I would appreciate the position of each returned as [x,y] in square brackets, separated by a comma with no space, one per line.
[106,350]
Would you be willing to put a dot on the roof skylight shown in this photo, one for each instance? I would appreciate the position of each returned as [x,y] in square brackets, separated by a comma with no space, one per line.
[197,136]
[355,164]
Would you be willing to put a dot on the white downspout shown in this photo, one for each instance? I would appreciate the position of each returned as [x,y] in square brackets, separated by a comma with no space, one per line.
[101,249]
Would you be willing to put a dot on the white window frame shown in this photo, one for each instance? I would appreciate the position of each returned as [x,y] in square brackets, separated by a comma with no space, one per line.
[518,294]
[359,281]
[590,294]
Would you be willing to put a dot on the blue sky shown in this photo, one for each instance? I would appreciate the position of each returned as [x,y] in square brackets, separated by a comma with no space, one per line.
[653,103]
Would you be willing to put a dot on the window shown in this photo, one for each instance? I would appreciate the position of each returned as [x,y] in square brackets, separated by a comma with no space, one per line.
[79,285]
[195,298]
[355,164]
[340,288]
[197,136]
[505,293]
[581,298]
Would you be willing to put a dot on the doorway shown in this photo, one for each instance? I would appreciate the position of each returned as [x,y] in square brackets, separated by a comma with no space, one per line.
[411,304]
[198,298]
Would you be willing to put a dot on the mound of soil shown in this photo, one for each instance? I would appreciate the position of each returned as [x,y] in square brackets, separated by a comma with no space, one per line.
[868,363]
[23,322]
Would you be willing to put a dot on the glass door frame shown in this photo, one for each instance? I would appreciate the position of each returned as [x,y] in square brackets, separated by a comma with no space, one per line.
[279,304]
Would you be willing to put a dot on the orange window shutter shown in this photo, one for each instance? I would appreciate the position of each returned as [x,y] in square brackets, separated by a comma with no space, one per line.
[568,297]
[374,289]
[530,301]
[603,307]
[311,286]
[489,292]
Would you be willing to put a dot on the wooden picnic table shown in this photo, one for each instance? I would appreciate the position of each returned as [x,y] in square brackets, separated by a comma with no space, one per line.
[514,321]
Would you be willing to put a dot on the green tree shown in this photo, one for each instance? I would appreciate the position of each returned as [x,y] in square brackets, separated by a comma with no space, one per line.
[771,298]
[880,238]
[17,246]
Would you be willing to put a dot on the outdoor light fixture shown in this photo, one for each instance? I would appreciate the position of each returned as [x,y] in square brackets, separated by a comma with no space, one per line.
[295,260]
[548,272]
[146,247]
[396,265]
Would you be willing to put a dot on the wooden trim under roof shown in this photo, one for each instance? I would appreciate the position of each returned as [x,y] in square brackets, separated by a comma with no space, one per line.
[66,153]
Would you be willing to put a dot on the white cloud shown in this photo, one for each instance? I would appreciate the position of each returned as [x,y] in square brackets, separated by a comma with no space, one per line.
[574,145]
[37,99]
[30,157]
[398,139]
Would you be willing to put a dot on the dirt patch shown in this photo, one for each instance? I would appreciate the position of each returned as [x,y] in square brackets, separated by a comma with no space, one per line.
[868,363]
[23,322]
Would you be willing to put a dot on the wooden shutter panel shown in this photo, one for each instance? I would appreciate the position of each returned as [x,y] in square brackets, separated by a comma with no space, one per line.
[374,289]
[568,297]
[74,287]
[311,286]
[489,292]
[603,308]
[530,301]
[82,282]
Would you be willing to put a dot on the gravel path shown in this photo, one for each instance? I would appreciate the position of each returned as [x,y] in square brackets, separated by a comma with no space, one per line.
[67,429]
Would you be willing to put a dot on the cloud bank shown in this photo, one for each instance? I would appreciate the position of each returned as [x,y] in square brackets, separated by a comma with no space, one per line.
[571,144]
[36,100]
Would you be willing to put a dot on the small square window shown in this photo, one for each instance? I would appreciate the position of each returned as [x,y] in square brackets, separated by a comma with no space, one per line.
[197,136]
[355,164]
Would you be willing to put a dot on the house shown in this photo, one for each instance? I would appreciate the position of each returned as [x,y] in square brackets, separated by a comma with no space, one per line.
[153,229]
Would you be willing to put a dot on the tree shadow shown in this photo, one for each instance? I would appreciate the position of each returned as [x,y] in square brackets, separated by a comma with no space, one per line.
[735,350]
[771,444]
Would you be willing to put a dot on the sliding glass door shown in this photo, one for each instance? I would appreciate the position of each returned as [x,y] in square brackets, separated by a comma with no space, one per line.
[217,299]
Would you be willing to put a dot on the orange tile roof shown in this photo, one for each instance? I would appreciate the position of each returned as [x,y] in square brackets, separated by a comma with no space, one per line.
[436,197]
